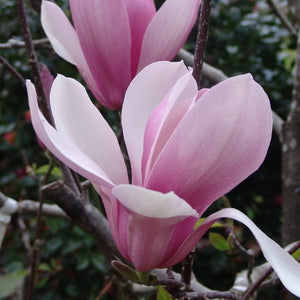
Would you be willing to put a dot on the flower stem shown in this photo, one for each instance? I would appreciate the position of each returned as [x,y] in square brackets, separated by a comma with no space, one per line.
[201,39]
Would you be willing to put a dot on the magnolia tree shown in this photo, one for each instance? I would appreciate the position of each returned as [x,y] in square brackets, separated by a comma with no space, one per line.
[176,147]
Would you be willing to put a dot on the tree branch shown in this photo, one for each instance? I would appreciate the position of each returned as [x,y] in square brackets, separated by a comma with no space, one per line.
[12,70]
[83,214]
[201,39]
[13,43]
[284,20]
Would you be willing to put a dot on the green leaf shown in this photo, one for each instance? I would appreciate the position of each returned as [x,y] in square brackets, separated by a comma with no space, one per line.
[125,270]
[218,241]
[82,262]
[44,169]
[44,267]
[98,261]
[296,254]
[9,282]
[162,294]
[217,224]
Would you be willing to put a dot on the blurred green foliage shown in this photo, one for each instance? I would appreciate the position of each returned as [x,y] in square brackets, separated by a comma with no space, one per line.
[244,37]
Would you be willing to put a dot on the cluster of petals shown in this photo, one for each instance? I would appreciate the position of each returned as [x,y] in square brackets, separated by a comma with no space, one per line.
[113,39]
[186,149]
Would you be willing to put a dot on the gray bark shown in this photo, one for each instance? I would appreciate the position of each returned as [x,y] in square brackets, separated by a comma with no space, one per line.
[291,153]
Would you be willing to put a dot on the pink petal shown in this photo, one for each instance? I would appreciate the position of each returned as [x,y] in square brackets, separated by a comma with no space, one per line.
[152,219]
[144,93]
[140,13]
[117,217]
[65,42]
[168,30]
[226,136]
[64,150]
[104,32]
[47,79]
[286,267]
[164,119]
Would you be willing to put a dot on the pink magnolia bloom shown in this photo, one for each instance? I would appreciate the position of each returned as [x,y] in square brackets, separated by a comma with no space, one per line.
[186,149]
[115,39]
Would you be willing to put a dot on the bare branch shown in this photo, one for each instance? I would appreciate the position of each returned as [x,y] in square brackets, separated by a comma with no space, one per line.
[284,20]
[12,70]
[201,40]
[83,214]
[13,43]
[29,207]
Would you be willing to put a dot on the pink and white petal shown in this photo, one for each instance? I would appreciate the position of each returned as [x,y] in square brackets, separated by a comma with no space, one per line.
[168,30]
[152,219]
[286,267]
[62,149]
[167,118]
[81,124]
[104,32]
[140,13]
[144,93]
[65,42]
[226,136]
[60,32]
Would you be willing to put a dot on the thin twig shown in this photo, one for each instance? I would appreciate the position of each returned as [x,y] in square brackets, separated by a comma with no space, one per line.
[187,268]
[32,58]
[35,249]
[284,20]
[24,236]
[13,43]
[210,295]
[12,70]
[201,39]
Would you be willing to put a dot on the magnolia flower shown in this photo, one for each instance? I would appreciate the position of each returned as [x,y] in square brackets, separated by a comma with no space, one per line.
[115,39]
[186,149]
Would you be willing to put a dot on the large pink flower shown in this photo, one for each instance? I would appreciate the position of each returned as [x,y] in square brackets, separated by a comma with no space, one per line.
[186,149]
[114,39]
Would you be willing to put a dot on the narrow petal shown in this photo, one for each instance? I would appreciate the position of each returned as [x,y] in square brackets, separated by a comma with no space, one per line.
[60,32]
[79,122]
[47,79]
[168,30]
[286,267]
[144,93]
[65,42]
[104,32]
[152,219]
[140,13]
[62,149]
[226,136]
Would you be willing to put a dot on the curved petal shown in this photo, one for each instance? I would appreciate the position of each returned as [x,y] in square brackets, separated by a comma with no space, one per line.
[286,267]
[104,32]
[168,30]
[152,219]
[140,13]
[165,118]
[144,93]
[226,136]
[60,32]
[62,149]
[79,122]
[65,42]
